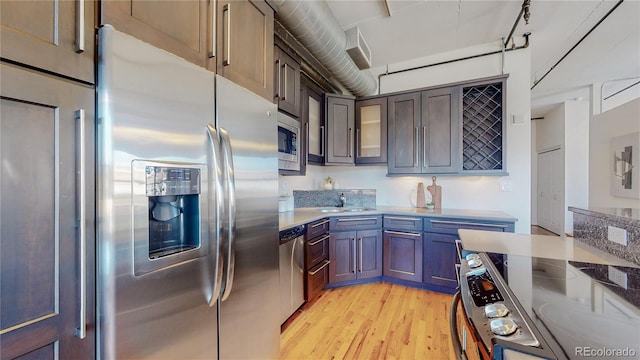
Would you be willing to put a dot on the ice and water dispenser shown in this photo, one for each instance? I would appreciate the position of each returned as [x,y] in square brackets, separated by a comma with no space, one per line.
[169,230]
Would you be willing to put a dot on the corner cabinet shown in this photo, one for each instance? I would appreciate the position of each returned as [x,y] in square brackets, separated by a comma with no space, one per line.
[371,131]
[355,254]
[184,28]
[340,120]
[56,36]
[245,44]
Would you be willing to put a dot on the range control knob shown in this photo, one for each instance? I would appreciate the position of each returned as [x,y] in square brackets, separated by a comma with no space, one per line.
[503,327]
[496,311]
[474,263]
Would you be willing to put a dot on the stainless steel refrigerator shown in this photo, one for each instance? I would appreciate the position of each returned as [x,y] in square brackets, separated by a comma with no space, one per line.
[187,218]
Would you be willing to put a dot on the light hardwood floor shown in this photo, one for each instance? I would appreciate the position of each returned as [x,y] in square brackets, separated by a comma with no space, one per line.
[372,321]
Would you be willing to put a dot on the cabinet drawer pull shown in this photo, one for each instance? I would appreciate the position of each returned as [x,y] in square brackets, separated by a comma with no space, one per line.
[402,233]
[320,223]
[227,56]
[357,219]
[324,265]
[467,223]
[80,26]
[318,241]
[81,330]
[402,218]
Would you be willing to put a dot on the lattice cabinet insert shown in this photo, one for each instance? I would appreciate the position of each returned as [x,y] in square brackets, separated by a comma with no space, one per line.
[483,127]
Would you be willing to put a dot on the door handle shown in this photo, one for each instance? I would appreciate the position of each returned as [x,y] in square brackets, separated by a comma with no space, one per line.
[424,146]
[228,169]
[284,93]
[227,56]
[279,78]
[349,142]
[360,263]
[354,255]
[81,157]
[415,152]
[358,142]
[321,140]
[215,236]
[80,26]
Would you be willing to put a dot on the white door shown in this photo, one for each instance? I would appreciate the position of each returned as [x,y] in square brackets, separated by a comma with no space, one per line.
[551,190]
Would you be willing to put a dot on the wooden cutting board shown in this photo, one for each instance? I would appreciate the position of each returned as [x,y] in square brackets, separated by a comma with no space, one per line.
[436,194]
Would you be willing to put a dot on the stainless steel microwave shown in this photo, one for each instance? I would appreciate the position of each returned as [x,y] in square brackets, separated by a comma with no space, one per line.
[288,142]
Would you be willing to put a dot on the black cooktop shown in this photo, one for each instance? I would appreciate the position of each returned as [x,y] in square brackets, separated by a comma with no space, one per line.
[582,309]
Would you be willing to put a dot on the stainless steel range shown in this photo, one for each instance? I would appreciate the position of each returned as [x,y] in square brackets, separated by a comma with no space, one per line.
[498,323]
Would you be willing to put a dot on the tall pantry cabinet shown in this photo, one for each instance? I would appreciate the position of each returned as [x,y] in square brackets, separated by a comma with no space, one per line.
[46,194]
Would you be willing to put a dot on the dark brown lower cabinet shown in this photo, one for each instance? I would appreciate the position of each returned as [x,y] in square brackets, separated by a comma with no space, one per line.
[355,255]
[440,259]
[316,258]
[317,278]
[40,256]
[403,255]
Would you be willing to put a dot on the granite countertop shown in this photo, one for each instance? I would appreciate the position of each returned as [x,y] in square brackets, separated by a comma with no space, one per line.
[305,215]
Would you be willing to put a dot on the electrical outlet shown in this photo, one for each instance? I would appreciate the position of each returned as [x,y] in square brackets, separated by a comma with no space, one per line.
[618,277]
[505,186]
[617,235]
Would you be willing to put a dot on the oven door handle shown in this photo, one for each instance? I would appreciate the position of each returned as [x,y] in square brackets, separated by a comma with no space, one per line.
[453,328]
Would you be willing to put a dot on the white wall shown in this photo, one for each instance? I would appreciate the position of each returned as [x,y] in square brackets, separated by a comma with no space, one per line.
[576,143]
[550,130]
[624,119]
[477,192]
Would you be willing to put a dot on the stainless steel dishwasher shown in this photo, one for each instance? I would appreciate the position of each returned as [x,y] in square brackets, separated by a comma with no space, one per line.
[291,270]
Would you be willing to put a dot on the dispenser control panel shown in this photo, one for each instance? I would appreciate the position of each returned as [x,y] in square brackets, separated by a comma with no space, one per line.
[162,181]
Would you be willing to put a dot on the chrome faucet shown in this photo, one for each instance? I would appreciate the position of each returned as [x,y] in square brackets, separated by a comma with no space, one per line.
[343,200]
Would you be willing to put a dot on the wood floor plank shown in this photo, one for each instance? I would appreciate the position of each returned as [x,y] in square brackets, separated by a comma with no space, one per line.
[372,321]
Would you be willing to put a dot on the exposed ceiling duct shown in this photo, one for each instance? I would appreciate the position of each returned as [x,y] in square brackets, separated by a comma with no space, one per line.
[313,24]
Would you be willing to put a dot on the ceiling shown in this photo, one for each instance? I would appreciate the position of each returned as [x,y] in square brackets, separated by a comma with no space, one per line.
[420,28]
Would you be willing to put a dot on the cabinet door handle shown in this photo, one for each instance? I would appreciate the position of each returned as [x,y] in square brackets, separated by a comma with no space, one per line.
[466,223]
[214,23]
[279,78]
[324,265]
[227,56]
[318,241]
[356,219]
[415,152]
[354,255]
[284,94]
[424,146]
[80,26]
[81,157]
[321,140]
[320,223]
[402,233]
[360,263]
[358,142]
[349,142]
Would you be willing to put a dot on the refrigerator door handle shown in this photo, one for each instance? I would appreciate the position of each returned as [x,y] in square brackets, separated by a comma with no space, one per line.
[215,242]
[229,179]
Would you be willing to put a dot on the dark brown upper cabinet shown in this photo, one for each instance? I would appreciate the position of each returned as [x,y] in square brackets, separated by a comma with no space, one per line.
[404,132]
[56,36]
[184,28]
[371,131]
[340,116]
[286,87]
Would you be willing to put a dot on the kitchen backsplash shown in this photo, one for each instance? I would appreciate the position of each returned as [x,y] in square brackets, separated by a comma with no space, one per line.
[323,198]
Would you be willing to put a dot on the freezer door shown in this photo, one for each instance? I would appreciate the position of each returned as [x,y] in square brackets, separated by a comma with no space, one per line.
[249,315]
[153,111]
